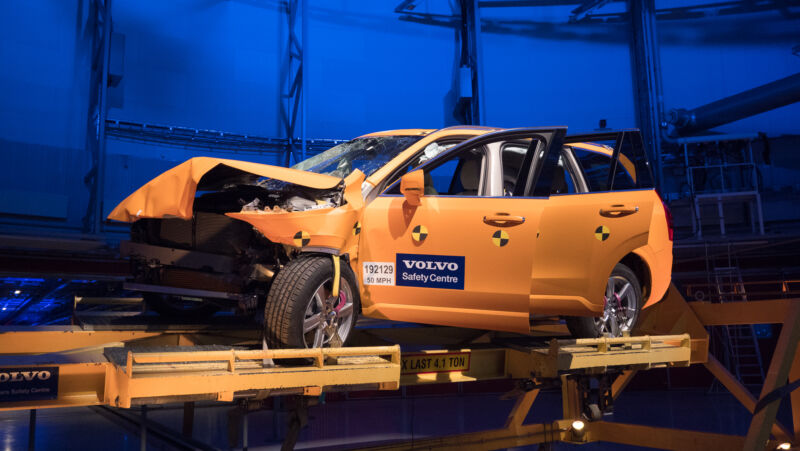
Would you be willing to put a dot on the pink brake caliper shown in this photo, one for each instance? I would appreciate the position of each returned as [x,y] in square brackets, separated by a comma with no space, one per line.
[342,301]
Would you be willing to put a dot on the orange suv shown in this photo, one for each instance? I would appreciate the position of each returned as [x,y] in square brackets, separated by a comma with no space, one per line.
[465,226]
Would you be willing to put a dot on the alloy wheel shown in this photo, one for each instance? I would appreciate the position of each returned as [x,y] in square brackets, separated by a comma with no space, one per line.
[328,319]
[619,313]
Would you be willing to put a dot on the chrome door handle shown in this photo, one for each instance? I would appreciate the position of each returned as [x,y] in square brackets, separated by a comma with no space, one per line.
[503,219]
[618,210]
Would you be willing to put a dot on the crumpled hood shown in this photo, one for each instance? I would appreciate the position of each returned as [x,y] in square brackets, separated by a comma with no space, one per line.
[172,193]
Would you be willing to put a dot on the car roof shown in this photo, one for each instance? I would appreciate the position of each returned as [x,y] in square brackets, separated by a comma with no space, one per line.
[427,131]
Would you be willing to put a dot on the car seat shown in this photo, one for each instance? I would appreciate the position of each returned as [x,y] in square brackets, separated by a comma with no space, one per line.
[470,177]
[430,190]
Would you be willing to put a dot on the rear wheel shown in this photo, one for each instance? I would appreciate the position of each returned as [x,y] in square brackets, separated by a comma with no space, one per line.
[301,311]
[179,306]
[623,301]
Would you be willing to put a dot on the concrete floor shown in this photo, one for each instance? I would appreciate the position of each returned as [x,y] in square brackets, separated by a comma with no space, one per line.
[358,422]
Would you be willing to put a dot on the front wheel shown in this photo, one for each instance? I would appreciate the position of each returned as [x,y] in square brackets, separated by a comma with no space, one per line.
[301,311]
[623,302]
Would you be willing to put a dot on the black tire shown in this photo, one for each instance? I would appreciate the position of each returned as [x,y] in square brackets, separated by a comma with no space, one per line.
[290,297]
[174,307]
[589,327]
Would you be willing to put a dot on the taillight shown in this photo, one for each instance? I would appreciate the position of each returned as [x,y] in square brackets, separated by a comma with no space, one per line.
[668,215]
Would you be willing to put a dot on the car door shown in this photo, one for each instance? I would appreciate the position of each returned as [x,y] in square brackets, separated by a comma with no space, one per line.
[591,222]
[462,257]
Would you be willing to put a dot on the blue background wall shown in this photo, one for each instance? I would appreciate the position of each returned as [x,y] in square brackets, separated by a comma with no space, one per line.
[218,64]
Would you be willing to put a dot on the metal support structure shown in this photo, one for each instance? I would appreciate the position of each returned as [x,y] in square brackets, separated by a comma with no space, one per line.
[124,378]
[738,106]
[646,66]
[100,16]
[777,376]
[471,59]
[188,419]
[32,430]
[293,102]
[43,292]
[244,431]
[585,9]
[143,430]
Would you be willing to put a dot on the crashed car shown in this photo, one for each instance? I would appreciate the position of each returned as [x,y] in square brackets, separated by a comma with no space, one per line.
[469,227]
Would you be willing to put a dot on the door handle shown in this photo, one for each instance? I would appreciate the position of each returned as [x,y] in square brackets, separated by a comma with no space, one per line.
[503,219]
[618,210]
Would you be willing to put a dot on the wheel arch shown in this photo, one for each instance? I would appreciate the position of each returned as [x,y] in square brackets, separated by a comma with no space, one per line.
[639,266]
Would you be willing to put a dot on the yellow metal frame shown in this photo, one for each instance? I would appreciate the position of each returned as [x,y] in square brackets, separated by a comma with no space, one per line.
[88,378]
[677,337]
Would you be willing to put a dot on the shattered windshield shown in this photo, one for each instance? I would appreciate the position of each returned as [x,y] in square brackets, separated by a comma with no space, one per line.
[367,154]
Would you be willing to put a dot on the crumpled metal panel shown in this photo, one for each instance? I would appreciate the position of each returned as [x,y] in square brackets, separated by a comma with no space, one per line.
[172,193]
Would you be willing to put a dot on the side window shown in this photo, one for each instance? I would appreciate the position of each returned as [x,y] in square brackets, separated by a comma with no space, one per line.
[616,162]
[431,151]
[595,166]
[563,180]
[457,175]
[460,176]
[513,155]
[633,169]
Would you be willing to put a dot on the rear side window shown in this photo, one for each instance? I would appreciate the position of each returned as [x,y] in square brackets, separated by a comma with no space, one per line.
[595,167]
[615,164]
[633,169]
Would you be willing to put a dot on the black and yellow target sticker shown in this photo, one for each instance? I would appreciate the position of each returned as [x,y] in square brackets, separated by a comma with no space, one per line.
[301,238]
[357,228]
[419,233]
[602,233]
[500,238]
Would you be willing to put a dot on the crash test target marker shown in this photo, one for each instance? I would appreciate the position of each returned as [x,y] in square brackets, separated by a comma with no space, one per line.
[500,238]
[419,233]
[602,233]
[301,238]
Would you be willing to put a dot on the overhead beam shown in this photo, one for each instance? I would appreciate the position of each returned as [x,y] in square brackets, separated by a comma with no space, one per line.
[587,7]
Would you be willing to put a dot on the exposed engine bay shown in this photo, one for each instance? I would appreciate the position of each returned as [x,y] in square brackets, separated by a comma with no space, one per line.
[221,258]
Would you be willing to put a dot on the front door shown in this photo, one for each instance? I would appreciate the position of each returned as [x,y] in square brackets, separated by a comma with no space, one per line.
[464,256]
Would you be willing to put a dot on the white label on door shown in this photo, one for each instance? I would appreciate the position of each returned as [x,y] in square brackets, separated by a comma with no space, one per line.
[379,273]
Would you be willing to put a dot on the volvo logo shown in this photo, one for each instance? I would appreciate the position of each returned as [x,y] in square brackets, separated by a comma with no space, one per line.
[24,376]
[431,265]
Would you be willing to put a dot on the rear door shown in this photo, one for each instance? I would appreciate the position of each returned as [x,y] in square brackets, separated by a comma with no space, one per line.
[598,211]
[464,256]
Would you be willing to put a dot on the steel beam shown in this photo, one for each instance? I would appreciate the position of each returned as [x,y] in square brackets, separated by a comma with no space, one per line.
[646,67]
[748,103]
[98,111]
[742,313]
[741,393]
[471,58]
[293,101]
[47,289]
[777,376]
